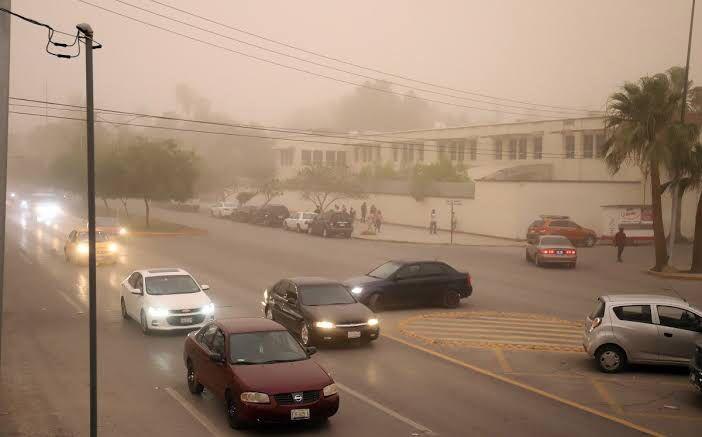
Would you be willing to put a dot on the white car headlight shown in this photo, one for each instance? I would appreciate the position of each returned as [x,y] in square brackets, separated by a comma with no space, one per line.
[357,290]
[372,322]
[122,231]
[330,390]
[208,309]
[83,248]
[324,325]
[158,312]
[112,247]
[255,397]
[265,295]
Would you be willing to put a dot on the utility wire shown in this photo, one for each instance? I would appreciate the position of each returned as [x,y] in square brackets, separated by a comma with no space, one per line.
[297,58]
[394,146]
[361,141]
[330,58]
[302,70]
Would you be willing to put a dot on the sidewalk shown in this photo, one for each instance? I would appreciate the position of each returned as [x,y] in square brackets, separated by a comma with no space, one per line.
[409,234]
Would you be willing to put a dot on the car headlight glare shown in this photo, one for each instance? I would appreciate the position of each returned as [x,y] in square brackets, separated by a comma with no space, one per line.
[330,390]
[208,309]
[324,325]
[83,248]
[357,290]
[112,247]
[122,231]
[372,322]
[255,397]
[265,295]
[158,312]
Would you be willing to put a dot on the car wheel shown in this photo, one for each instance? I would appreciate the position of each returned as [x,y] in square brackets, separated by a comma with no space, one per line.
[305,335]
[610,358]
[233,413]
[590,241]
[299,229]
[451,299]
[212,213]
[144,324]
[325,234]
[375,302]
[269,313]
[123,307]
[526,256]
[571,265]
[193,384]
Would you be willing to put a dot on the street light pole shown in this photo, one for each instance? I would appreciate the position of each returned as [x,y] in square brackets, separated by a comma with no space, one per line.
[87,31]
[675,187]
[4,108]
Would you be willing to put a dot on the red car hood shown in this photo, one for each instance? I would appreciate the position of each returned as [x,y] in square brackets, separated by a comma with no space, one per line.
[282,377]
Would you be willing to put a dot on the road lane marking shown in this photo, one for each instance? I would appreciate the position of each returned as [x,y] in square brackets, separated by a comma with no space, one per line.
[502,360]
[526,387]
[473,324]
[606,396]
[209,426]
[79,309]
[505,332]
[384,409]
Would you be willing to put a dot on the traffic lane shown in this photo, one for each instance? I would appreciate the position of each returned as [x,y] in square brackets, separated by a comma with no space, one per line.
[134,366]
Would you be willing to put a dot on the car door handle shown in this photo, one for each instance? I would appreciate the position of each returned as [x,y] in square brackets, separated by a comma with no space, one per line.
[667,334]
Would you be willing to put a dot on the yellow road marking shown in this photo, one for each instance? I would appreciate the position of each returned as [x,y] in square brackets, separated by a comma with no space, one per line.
[502,360]
[617,380]
[526,387]
[476,323]
[513,339]
[499,333]
[606,396]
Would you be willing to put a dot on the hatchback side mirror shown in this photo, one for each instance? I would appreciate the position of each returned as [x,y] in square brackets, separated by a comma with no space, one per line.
[311,350]
[204,287]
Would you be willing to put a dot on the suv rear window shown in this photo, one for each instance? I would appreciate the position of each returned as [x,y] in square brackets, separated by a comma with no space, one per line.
[634,313]
[537,224]
[599,311]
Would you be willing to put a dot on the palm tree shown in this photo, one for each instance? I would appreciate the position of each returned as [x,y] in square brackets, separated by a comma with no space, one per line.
[638,122]
[695,174]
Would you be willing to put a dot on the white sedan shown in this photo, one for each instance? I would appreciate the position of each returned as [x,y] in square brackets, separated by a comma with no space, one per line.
[222,209]
[299,221]
[165,299]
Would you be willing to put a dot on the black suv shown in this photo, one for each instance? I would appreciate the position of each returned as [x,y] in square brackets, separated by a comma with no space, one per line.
[271,215]
[244,213]
[332,223]
[696,367]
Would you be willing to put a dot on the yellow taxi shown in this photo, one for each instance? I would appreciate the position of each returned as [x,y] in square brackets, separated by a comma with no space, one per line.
[76,248]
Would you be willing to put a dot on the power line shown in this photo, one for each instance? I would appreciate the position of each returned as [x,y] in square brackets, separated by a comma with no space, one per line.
[302,70]
[395,146]
[361,142]
[297,58]
[321,55]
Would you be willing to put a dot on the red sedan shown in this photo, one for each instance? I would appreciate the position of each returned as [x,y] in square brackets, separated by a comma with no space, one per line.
[260,371]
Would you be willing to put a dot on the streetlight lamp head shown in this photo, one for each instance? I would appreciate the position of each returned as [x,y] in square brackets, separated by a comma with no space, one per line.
[85,28]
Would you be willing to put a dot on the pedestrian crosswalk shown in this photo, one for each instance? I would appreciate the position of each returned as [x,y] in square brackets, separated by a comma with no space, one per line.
[517,331]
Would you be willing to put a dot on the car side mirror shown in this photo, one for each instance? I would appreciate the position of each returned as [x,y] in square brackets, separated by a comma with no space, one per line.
[204,287]
[216,357]
[136,291]
[311,350]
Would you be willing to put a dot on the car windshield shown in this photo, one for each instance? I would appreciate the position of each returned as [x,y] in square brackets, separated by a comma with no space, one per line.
[99,236]
[328,294]
[106,221]
[171,284]
[264,347]
[384,271]
[554,241]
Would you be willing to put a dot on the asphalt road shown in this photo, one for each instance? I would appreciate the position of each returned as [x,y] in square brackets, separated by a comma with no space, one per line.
[388,388]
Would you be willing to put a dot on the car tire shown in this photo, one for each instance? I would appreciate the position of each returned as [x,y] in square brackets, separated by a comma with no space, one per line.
[144,324]
[571,265]
[375,303]
[537,261]
[451,299]
[590,241]
[212,213]
[309,229]
[305,338]
[191,377]
[123,309]
[610,358]
[299,229]
[526,256]
[325,234]
[348,235]
[233,418]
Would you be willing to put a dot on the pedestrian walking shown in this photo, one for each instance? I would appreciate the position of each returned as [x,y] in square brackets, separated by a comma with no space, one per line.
[373,209]
[352,213]
[432,222]
[371,222]
[364,211]
[620,242]
[378,220]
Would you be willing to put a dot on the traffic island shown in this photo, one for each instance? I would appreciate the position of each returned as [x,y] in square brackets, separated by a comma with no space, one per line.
[673,273]
[136,226]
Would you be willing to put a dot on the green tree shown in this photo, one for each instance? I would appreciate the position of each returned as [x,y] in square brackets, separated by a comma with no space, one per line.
[695,173]
[323,185]
[639,121]
[244,196]
[269,188]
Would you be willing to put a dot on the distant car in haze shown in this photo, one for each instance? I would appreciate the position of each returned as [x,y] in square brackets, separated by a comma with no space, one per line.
[76,248]
[271,215]
[299,221]
[109,225]
[331,223]
[551,249]
[562,225]
[222,209]
[244,213]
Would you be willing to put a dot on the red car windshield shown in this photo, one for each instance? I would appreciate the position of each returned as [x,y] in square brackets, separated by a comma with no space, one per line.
[264,348]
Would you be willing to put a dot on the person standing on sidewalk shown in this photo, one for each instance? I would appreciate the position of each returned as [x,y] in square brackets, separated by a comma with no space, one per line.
[364,211]
[620,242]
[432,222]
[378,220]
[352,213]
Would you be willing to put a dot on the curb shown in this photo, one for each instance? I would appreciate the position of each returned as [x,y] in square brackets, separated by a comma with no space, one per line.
[676,275]
[427,243]
[191,233]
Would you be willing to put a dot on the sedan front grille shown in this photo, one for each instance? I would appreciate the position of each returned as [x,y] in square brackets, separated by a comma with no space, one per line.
[287,398]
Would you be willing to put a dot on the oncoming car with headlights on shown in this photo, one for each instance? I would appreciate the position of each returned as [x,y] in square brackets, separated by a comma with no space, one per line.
[165,299]
[318,310]
[260,371]
[77,248]
[110,226]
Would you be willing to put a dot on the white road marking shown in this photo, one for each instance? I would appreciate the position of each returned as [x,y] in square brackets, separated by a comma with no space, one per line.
[386,410]
[209,426]
[79,308]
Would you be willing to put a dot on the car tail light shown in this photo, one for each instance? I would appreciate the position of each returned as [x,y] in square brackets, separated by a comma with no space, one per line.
[547,251]
[570,252]
[594,324]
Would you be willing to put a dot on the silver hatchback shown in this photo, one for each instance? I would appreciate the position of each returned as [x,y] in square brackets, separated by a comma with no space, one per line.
[640,328]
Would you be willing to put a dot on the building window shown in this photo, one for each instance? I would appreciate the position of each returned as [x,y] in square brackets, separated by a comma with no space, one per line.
[405,153]
[306,157]
[461,151]
[522,148]
[377,153]
[538,147]
[395,152]
[473,150]
[512,149]
[570,147]
[330,156]
[452,150]
[318,156]
[341,158]
[410,153]
[356,152]
[286,157]
[587,146]
[498,149]
[600,143]
[366,154]
[442,152]
[420,152]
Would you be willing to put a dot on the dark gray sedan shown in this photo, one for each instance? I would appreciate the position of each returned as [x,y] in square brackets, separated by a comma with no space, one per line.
[551,249]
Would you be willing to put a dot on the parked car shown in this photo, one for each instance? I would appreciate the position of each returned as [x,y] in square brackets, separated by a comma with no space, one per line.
[244,213]
[165,299]
[299,221]
[401,283]
[562,225]
[331,223]
[222,209]
[318,310]
[638,328]
[696,367]
[271,215]
[551,249]
[260,371]
[190,205]
[76,248]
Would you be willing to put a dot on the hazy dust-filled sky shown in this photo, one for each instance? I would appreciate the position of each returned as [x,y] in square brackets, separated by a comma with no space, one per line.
[555,52]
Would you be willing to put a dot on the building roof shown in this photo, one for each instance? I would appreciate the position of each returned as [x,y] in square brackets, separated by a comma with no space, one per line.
[249,324]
